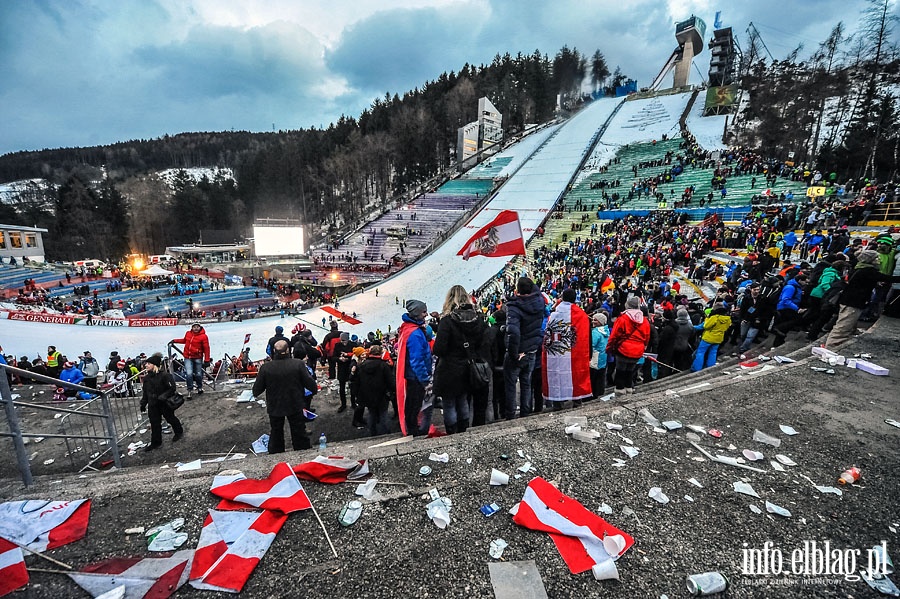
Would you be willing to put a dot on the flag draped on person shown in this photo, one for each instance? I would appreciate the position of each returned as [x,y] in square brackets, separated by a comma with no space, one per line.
[13,574]
[332,470]
[577,532]
[500,237]
[231,545]
[280,491]
[40,525]
[143,578]
[566,354]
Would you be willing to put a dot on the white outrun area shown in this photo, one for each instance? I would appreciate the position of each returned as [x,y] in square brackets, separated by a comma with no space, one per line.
[545,171]
[278,241]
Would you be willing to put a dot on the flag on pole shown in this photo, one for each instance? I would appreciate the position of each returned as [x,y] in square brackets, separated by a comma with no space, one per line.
[332,470]
[231,545]
[577,532]
[41,525]
[280,491]
[246,338]
[143,578]
[13,574]
[500,237]
[566,354]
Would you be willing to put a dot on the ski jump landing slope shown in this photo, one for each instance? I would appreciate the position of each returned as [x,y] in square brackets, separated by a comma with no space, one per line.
[531,191]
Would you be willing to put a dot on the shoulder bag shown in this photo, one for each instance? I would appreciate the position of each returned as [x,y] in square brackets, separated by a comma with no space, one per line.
[479,370]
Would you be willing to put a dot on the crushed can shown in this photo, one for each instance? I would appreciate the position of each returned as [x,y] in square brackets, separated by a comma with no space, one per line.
[708,583]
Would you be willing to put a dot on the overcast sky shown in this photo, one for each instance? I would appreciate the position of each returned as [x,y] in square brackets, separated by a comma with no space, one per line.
[89,72]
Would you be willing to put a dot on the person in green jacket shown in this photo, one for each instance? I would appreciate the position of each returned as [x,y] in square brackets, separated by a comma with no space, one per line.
[714,327]
[818,313]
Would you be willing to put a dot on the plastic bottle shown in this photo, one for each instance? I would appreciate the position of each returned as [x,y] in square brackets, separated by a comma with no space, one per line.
[323,442]
[850,475]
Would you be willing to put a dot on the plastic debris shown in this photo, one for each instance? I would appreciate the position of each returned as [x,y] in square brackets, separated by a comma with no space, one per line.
[825,370]
[605,508]
[350,513]
[745,488]
[777,466]
[753,456]
[671,425]
[892,422]
[425,470]
[137,530]
[762,437]
[619,463]
[245,396]
[261,445]
[38,439]
[657,495]
[572,428]
[785,460]
[497,547]
[697,428]
[883,585]
[714,432]
[175,524]
[777,510]
[590,436]
[577,420]
[605,570]
[498,478]
[788,430]
[692,437]
[832,490]
[695,482]
[167,540]
[755,509]
[689,498]
[617,427]
[648,417]
[784,360]
[631,452]
[439,457]
[49,461]
[525,468]
[366,490]
[439,511]
[192,465]
[882,561]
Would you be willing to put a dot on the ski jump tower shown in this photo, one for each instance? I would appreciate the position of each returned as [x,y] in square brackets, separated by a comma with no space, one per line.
[689,35]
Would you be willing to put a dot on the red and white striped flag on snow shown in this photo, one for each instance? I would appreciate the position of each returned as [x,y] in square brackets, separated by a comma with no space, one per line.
[40,525]
[13,574]
[500,237]
[231,545]
[577,532]
[332,470]
[143,578]
[280,491]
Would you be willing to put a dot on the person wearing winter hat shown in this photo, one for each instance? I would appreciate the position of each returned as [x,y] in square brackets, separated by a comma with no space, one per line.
[90,368]
[278,336]
[884,247]
[674,348]
[627,342]
[343,352]
[714,328]
[159,384]
[599,339]
[860,284]
[332,338]
[71,374]
[413,374]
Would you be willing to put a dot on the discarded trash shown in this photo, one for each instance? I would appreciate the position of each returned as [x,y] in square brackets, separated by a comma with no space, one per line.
[579,420]
[137,530]
[689,498]
[671,393]
[785,460]
[608,397]
[872,368]
[619,463]
[755,509]
[748,365]
[367,489]
[648,417]
[825,370]
[142,431]
[49,461]
[175,525]
[882,561]
[245,396]
[590,436]
[883,585]
[714,432]
[499,478]
[892,422]
[692,437]
[784,360]
[350,513]
[657,495]
[38,439]
[753,456]
[525,468]
[617,427]
[745,488]
[261,445]
[439,511]
[513,580]
[572,428]
[788,430]
[167,540]
[708,583]
[605,570]
[631,452]
[695,482]
[776,466]
[489,509]
[439,457]
[832,490]
[605,508]
[778,510]
[671,425]
[193,465]
[497,547]
[425,470]
[697,428]
[849,476]
[762,437]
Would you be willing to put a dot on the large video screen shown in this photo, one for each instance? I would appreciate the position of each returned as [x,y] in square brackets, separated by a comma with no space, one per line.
[278,241]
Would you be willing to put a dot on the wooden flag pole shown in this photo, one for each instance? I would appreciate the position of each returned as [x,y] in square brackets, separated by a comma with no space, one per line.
[41,555]
[322,524]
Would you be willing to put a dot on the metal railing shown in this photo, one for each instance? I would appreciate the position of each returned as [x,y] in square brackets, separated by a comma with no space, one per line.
[91,422]
[182,374]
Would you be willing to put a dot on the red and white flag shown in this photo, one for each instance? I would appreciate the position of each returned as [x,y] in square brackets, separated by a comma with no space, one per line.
[500,237]
[143,578]
[41,525]
[280,491]
[231,545]
[332,470]
[13,574]
[577,532]
[566,354]
[246,338]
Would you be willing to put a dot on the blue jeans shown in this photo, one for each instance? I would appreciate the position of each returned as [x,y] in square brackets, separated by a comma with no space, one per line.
[706,356]
[456,411]
[193,373]
[748,334]
[518,371]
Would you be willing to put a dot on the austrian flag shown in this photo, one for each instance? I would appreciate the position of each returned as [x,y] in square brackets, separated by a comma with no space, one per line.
[13,574]
[500,237]
[280,491]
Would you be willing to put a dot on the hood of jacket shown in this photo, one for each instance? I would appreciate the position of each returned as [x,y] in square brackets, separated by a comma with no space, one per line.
[634,314]
[532,303]
[466,319]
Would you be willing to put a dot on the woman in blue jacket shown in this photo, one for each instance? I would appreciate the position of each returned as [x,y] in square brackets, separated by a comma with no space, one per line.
[789,307]
[599,338]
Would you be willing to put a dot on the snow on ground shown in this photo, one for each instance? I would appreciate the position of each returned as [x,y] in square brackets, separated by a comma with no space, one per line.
[195,173]
[531,191]
[10,192]
[522,150]
[708,130]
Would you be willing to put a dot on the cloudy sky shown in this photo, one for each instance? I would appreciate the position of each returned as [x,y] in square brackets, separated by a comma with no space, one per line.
[88,72]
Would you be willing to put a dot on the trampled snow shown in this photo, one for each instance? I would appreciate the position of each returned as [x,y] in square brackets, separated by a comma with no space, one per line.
[707,130]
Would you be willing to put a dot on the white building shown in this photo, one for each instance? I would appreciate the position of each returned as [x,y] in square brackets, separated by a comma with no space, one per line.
[18,243]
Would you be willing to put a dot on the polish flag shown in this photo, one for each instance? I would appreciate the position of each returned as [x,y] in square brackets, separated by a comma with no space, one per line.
[13,574]
[332,470]
[577,532]
[143,578]
[41,525]
[231,545]
[500,237]
[280,491]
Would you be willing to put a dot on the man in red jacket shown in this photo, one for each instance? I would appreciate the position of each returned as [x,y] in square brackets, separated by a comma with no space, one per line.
[196,357]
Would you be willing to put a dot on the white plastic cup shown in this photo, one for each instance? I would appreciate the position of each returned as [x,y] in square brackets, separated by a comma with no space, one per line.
[499,478]
[605,570]
[614,545]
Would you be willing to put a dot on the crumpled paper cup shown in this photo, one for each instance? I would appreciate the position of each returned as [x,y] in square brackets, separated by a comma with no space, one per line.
[605,570]
[614,545]
[499,478]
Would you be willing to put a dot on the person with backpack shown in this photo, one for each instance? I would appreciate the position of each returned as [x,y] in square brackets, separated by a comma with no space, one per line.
[819,311]
[376,384]
[789,308]
[860,284]
[714,327]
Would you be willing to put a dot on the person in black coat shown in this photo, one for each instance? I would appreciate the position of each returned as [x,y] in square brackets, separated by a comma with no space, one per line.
[284,381]
[343,354]
[495,343]
[524,334]
[854,298]
[674,347]
[157,385]
[460,335]
[376,384]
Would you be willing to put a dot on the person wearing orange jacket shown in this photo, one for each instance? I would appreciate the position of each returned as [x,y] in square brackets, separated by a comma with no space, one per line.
[196,357]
